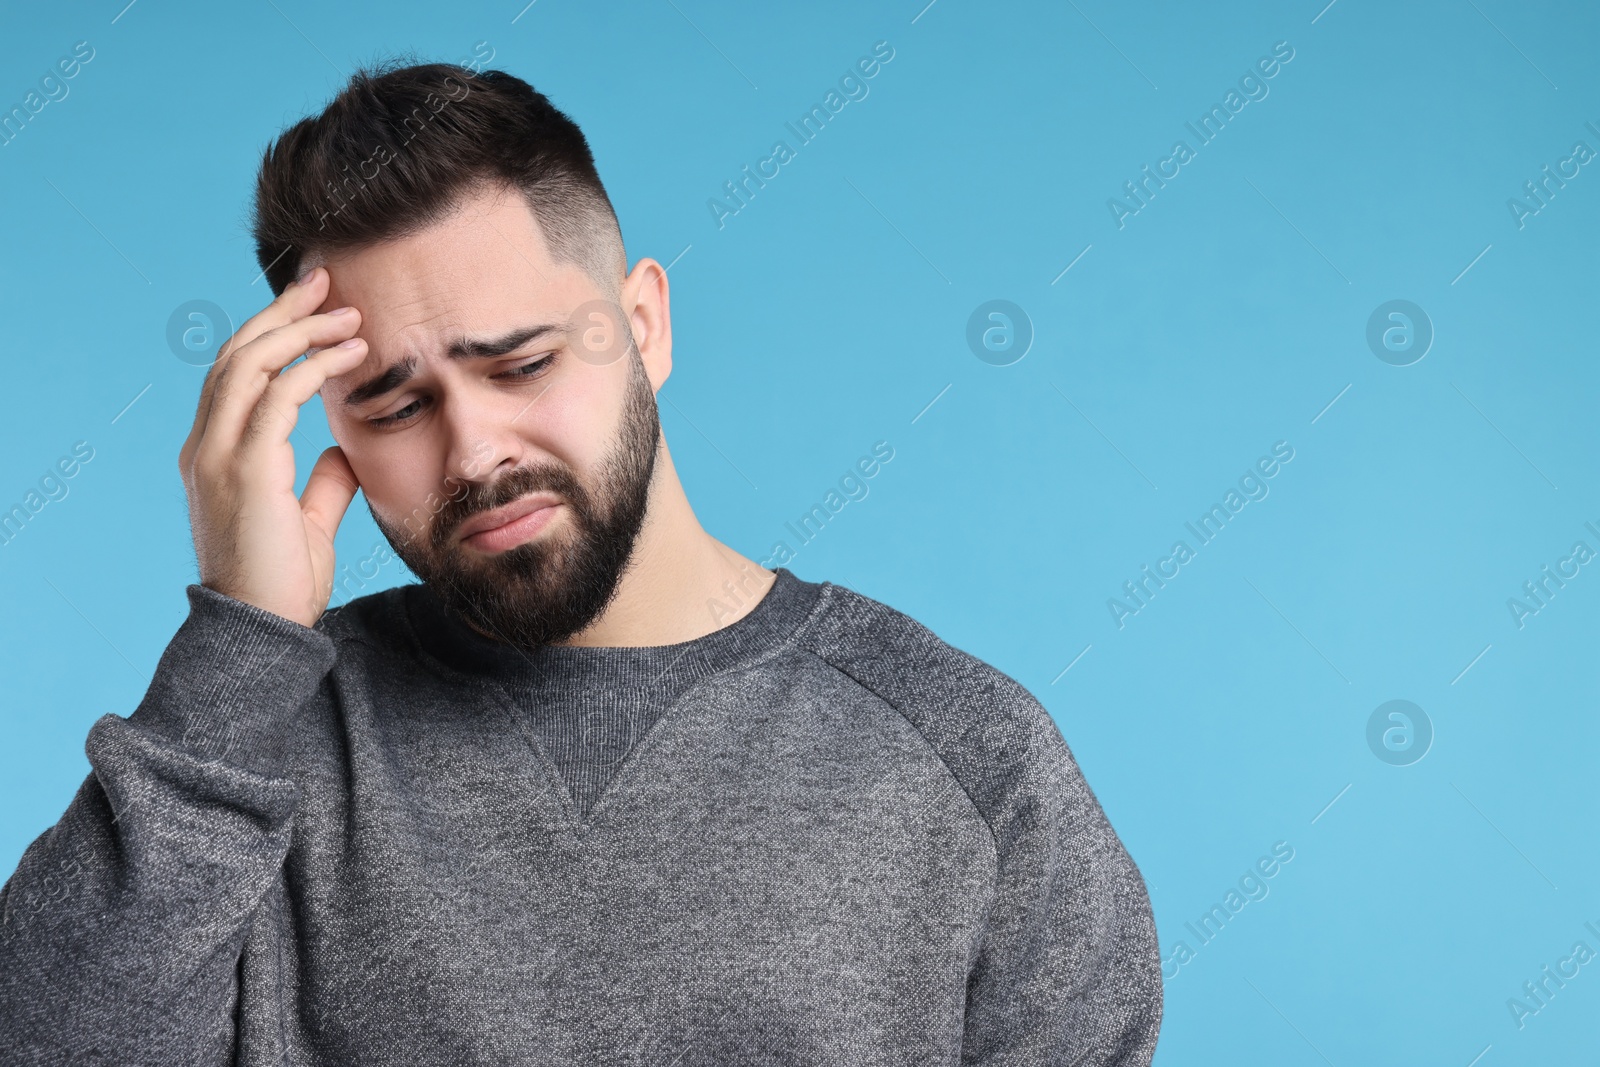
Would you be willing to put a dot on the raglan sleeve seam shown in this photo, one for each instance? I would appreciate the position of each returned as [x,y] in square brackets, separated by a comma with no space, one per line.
[934,749]
[1104,1006]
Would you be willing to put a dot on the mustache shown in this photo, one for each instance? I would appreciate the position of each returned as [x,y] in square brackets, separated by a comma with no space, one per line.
[513,485]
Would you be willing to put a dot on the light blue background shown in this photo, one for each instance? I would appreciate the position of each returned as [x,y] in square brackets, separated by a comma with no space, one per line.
[831,312]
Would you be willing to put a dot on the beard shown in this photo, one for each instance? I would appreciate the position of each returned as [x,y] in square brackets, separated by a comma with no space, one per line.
[545,590]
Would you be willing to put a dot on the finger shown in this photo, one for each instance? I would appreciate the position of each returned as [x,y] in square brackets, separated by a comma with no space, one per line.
[277,412]
[240,390]
[330,487]
[297,300]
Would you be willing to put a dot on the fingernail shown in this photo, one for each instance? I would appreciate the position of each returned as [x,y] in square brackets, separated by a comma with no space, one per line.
[341,311]
[354,342]
[306,277]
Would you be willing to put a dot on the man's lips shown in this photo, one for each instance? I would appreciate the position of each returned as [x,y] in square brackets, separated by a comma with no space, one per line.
[501,516]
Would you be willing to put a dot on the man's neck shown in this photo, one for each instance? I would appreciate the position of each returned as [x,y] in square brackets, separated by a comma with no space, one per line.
[678,590]
[680,583]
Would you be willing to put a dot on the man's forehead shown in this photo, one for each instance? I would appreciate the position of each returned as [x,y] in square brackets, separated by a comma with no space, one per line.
[414,295]
[432,314]
[427,322]
[489,248]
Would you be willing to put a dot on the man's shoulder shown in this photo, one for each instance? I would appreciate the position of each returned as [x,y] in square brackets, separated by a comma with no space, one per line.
[986,726]
[905,661]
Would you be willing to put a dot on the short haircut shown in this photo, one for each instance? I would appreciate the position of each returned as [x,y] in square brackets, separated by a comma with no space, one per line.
[401,145]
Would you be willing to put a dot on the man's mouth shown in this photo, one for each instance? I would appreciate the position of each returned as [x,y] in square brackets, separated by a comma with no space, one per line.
[508,526]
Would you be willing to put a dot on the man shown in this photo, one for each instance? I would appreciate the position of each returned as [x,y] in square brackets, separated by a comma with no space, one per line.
[600,789]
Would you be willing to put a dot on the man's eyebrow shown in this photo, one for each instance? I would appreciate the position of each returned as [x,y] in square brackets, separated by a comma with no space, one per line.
[403,370]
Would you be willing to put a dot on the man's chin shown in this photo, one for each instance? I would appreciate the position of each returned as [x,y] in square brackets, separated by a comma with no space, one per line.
[528,606]
[498,575]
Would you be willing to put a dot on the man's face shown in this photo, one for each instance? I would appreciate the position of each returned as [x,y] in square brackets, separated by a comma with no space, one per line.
[564,419]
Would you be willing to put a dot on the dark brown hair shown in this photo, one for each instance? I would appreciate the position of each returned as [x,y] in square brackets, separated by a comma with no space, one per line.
[400,145]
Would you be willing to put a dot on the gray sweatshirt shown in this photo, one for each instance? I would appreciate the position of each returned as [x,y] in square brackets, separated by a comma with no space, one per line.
[818,835]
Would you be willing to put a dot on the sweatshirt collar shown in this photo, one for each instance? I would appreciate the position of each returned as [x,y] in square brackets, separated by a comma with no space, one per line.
[442,635]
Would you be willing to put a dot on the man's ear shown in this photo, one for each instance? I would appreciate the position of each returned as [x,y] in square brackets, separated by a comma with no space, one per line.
[645,296]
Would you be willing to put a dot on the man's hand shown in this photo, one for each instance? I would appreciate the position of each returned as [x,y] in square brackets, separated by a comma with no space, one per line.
[253,539]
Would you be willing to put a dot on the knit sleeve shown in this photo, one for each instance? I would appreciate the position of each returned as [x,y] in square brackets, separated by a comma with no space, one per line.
[1068,969]
[122,926]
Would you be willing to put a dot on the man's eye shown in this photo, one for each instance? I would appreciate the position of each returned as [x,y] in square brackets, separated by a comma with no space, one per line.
[524,372]
[398,417]
[528,370]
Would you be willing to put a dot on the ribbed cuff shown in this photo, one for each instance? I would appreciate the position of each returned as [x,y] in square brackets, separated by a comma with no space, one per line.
[231,682]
